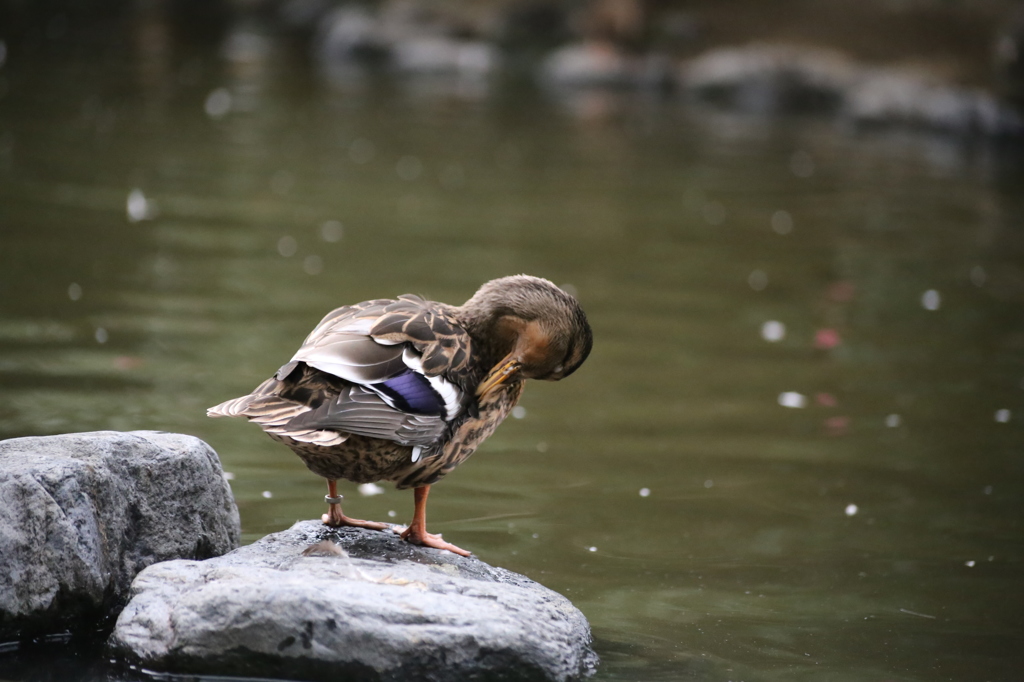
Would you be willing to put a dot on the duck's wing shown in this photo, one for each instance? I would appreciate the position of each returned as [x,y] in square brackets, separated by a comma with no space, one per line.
[444,346]
[341,346]
[399,369]
[355,408]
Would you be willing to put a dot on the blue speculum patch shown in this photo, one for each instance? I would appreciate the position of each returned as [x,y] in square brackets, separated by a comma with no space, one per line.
[412,392]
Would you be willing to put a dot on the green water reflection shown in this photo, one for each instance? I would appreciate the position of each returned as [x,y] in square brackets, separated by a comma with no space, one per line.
[743,558]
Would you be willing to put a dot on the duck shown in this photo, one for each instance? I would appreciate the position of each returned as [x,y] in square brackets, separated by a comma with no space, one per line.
[406,389]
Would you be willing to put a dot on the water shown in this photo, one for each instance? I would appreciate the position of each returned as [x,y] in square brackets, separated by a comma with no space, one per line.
[167,244]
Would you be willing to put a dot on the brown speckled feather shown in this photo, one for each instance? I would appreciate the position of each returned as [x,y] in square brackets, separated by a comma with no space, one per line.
[466,437]
[431,329]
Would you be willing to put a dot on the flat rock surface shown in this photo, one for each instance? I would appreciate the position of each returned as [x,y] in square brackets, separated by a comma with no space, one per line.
[81,514]
[314,603]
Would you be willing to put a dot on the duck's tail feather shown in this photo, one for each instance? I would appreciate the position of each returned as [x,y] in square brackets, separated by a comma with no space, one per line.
[274,413]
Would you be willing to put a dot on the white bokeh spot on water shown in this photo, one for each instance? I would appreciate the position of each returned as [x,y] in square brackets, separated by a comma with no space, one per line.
[793,399]
[518,412]
[218,103]
[287,246]
[1003,416]
[370,489]
[893,420]
[851,510]
[138,207]
[409,168]
[645,492]
[331,231]
[782,222]
[313,264]
[931,300]
[773,331]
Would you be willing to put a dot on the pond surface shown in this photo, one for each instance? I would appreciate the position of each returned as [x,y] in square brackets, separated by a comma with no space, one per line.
[797,450]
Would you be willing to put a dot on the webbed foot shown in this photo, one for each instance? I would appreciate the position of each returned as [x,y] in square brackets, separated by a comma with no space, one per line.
[429,540]
[336,519]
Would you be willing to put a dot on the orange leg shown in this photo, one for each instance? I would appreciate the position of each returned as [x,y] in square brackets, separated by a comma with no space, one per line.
[417,533]
[334,516]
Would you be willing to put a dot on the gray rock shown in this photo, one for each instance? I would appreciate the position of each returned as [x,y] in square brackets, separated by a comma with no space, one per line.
[443,55]
[603,64]
[350,33]
[319,604]
[766,79]
[81,514]
[412,37]
[917,99]
[772,79]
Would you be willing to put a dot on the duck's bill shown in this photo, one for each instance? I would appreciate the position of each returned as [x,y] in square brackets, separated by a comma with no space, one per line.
[505,371]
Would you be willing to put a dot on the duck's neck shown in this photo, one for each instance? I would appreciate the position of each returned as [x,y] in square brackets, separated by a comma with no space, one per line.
[492,332]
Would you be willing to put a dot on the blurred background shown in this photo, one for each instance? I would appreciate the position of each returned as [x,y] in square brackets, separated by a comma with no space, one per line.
[797,450]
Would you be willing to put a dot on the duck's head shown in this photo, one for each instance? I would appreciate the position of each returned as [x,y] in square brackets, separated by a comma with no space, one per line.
[530,327]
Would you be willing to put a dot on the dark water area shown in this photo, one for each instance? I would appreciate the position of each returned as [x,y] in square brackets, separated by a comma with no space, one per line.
[796,452]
